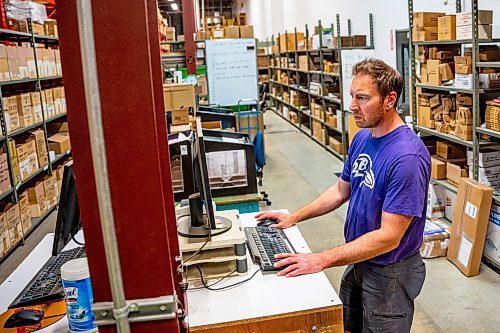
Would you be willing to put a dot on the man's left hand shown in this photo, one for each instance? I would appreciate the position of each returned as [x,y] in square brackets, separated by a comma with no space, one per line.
[299,263]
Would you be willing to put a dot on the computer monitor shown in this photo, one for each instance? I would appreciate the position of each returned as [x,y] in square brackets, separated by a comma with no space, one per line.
[68,214]
[202,222]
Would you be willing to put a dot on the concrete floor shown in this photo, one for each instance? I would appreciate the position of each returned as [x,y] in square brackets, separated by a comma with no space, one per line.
[298,170]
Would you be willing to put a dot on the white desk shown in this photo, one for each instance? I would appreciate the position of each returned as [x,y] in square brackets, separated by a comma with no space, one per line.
[267,301]
[23,274]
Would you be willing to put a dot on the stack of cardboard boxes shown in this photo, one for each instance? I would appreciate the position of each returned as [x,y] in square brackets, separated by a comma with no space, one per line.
[425,26]
[447,27]
[437,64]
[489,167]
[464,25]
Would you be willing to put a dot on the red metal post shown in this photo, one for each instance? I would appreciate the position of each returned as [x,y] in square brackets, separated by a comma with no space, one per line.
[133,115]
[189,27]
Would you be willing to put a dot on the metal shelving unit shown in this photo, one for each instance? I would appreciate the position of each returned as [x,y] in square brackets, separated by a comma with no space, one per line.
[303,83]
[27,85]
[476,144]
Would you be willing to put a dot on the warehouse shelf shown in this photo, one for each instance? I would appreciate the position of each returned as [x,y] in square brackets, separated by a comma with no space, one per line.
[449,137]
[490,132]
[59,116]
[301,81]
[493,64]
[330,150]
[12,35]
[12,82]
[24,129]
[457,42]
[32,176]
[443,88]
[60,156]
[444,183]
[35,222]
[172,43]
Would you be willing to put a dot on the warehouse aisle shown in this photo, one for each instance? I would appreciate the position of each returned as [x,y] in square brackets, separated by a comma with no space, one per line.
[298,170]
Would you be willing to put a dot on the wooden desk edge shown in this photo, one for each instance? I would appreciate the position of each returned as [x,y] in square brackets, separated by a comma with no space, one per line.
[278,322]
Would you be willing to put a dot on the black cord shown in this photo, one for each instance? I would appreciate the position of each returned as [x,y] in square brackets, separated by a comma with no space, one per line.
[74,240]
[225,287]
[216,282]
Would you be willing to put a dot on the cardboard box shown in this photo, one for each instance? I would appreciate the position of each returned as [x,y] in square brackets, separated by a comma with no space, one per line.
[425,117]
[232,32]
[470,222]
[50,189]
[424,34]
[463,65]
[449,150]
[435,242]
[447,27]
[22,54]
[4,235]
[464,81]
[178,96]
[59,143]
[218,33]
[446,71]
[426,19]
[25,111]
[489,53]
[13,222]
[26,155]
[25,211]
[489,81]
[13,60]
[16,173]
[352,128]
[464,132]
[483,17]
[36,193]
[4,65]
[246,31]
[438,169]
[41,150]
[454,173]
[287,41]
[4,174]
[11,115]
[449,200]
[487,158]
[483,32]
[464,116]
[335,144]
[435,201]
[180,116]
[36,104]
[492,243]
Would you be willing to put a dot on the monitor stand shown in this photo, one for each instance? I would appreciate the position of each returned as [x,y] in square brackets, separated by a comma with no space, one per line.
[186,229]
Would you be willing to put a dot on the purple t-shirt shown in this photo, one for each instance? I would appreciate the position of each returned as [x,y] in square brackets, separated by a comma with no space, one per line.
[391,174]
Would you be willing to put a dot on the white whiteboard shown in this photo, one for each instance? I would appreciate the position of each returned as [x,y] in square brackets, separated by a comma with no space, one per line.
[349,59]
[231,70]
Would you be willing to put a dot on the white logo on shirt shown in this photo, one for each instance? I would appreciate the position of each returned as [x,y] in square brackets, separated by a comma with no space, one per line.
[362,167]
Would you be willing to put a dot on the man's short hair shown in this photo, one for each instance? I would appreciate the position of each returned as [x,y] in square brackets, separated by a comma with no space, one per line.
[386,78]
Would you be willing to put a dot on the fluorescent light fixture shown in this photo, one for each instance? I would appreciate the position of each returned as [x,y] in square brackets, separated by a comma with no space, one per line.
[170,0]
[174,6]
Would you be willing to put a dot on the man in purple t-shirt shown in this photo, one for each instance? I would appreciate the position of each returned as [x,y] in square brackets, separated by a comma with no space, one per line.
[385,180]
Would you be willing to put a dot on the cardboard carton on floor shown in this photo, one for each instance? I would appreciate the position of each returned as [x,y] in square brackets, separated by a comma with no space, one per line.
[470,222]
[492,243]
[435,242]
[438,169]
[435,201]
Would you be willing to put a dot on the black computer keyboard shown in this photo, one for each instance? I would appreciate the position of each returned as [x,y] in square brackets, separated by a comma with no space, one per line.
[46,284]
[264,243]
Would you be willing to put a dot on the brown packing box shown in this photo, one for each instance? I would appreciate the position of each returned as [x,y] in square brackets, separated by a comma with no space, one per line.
[4,235]
[13,220]
[454,173]
[39,57]
[36,193]
[464,115]
[463,131]
[449,150]
[425,117]
[49,103]
[36,104]
[59,143]
[246,31]
[41,150]
[10,113]
[463,65]
[287,41]
[4,65]
[335,144]
[446,71]
[435,244]
[215,125]
[177,96]
[27,157]
[50,189]
[359,40]
[13,62]
[424,34]
[180,116]
[16,173]
[232,32]
[447,27]
[24,109]
[25,211]
[464,99]
[426,19]
[470,222]
[22,54]
[438,169]
[4,174]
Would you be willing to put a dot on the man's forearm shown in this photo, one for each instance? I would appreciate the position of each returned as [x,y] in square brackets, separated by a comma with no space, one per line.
[368,246]
[327,202]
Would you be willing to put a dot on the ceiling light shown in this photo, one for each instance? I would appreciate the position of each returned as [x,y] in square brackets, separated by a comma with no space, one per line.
[174,6]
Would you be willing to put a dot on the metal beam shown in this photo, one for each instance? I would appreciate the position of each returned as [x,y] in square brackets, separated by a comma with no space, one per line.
[189,27]
[133,118]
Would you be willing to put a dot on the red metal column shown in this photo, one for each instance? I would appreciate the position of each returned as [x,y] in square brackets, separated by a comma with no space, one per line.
[189,27]
[128,63]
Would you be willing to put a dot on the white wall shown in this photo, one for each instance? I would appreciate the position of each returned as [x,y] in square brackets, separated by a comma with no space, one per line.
[275,16]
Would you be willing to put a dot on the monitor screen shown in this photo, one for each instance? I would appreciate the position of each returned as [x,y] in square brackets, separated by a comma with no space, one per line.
[68,212]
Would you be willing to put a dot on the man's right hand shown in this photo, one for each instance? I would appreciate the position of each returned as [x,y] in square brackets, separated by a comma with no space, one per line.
[283,220]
